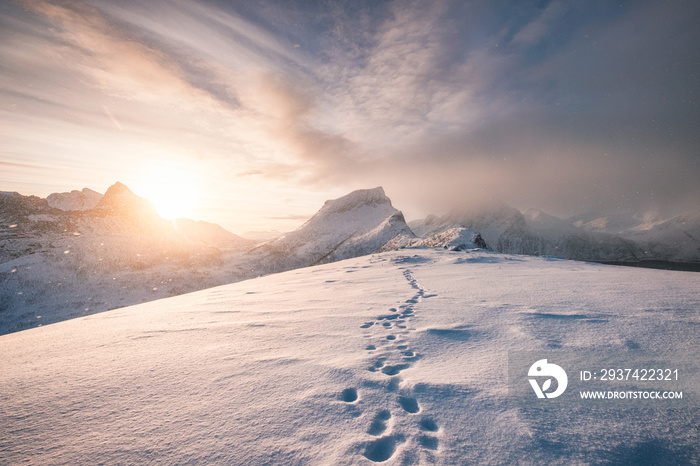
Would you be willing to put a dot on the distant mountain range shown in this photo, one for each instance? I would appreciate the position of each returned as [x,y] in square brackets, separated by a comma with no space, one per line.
[624,237]
[77,253]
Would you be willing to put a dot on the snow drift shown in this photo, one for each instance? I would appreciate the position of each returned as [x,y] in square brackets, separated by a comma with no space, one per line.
[392,358]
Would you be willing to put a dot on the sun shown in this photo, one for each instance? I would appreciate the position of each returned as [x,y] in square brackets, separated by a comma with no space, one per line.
[173,191]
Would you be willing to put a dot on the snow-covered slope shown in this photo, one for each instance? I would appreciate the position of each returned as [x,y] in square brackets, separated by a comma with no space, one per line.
[58,265]
[357,224]
[677,239]
[399,357]
[617,223]
[454,239]
[674,239]
[75,200]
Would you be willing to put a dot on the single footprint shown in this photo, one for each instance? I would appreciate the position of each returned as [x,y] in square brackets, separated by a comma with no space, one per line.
[367,325]
[371,347]
[394,370]
[429,442]
[402,347]
[378,425]
[387,324]
[349,395]
[378,364]
[381,449]
[428,425]
[391,337]
[409,404]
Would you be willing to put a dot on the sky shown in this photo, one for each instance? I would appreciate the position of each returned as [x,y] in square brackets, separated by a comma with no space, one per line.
[252,114]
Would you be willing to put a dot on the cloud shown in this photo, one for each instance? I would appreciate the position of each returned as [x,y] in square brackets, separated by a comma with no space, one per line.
[402,86]
[250,173]
[123,66]
[535,30]
[550,105]
[562,111]
[290,111]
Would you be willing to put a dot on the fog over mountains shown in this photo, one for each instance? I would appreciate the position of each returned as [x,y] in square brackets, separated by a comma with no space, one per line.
[78,253]
[626,237]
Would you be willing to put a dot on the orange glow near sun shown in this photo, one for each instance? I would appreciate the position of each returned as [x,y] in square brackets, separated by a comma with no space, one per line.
[172,190]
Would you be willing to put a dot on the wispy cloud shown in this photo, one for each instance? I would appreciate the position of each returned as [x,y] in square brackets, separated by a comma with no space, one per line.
[538,28]
[557,105]
[123,66]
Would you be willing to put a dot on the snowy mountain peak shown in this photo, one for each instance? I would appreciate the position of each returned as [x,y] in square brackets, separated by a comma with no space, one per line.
[359,223]
[357,199]
[117,194]
[120,200]
[75,200]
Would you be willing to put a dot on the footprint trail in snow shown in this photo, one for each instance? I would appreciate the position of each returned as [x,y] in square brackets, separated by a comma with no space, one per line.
[391,354]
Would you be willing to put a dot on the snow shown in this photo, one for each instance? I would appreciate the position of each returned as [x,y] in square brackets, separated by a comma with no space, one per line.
[122,253]
[312,366]
[63,264]
[625,237]
[75,200]
[454,239]
[356,224]
[621,222]
[60,265]
[677,239]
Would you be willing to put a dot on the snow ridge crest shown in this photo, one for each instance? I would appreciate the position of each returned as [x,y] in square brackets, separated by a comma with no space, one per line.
[357,199]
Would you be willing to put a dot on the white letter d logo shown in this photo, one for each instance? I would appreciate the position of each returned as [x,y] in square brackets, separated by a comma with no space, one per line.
[542,369]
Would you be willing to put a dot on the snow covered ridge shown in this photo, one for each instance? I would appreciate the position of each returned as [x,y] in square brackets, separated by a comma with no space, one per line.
[75,200]
[57,264]
[454,239]
[392,358]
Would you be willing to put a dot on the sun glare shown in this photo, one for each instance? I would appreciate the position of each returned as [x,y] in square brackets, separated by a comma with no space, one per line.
[173,191]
